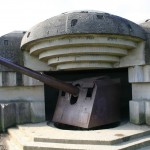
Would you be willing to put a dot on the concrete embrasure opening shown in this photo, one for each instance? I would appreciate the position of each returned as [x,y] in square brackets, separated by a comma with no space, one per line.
[51,94]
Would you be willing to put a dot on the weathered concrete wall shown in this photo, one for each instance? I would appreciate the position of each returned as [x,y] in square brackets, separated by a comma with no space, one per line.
[139,76]
[28,105]
[10,48]
[21,97]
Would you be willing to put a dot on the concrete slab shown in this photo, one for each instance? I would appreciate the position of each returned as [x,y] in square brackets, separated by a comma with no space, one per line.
[26,144]
[110,136]
[10,145]
[126,136]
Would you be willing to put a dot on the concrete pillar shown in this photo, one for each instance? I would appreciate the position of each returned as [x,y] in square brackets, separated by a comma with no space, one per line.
[139,77]
[147,112]
[137,112]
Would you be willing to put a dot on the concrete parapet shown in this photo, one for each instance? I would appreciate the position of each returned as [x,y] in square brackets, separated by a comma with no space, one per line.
[137,112]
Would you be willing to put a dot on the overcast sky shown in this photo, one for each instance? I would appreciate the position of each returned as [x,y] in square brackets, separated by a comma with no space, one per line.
[23,14]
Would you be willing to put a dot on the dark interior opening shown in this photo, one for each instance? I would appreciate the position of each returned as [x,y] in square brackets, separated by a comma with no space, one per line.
[51,94]
[73,100]
[89,92]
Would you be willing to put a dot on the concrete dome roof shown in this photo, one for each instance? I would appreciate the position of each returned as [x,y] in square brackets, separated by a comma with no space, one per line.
[83,40]
[83,22]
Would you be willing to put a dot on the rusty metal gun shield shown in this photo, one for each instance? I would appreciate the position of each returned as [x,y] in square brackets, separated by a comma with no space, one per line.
[97,104]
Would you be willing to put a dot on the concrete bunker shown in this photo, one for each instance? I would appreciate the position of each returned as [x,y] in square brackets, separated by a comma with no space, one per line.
[83,44]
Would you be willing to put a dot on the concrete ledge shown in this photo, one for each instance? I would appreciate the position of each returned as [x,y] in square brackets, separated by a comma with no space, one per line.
[137,112]
[26,93]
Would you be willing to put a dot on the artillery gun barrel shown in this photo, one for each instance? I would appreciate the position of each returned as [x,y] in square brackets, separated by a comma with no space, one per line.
[55,83]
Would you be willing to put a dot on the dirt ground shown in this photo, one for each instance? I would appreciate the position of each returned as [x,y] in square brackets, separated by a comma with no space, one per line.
[2,141]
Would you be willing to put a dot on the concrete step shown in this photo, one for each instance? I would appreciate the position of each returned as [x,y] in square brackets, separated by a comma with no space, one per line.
[43,137]
[126,131]
[24,143]
[93,141]
[135,144]
[11,145]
